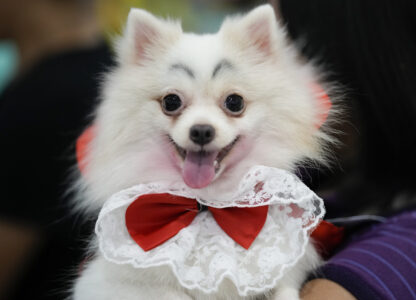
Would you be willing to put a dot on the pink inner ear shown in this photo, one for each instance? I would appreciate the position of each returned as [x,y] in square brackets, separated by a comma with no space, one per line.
[259,31]
[144,36]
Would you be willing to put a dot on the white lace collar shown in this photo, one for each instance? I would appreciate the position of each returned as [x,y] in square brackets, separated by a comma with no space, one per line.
[202,254]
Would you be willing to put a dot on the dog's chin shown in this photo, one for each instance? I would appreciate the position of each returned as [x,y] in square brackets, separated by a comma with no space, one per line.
[200,168]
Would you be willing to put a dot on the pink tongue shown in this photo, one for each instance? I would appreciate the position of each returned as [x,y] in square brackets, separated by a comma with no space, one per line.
[198,169]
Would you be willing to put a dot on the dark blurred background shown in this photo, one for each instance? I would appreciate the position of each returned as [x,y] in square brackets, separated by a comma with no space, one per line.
[52,55]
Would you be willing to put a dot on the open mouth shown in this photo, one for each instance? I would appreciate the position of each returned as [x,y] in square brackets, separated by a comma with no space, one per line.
[200,167]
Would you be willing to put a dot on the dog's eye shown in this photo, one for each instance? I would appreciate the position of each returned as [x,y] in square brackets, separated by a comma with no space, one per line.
[234,104]
[171,103]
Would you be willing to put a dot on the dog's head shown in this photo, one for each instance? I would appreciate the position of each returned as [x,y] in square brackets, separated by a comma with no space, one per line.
[202,109]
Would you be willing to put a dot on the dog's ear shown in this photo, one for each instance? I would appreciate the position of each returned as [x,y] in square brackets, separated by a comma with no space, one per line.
[257,30]
[146,36]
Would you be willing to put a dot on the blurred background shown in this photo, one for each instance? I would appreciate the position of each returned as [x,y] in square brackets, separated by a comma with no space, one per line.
[52,55]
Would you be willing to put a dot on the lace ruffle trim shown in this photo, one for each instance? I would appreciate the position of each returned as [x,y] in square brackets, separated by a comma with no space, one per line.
[202,255]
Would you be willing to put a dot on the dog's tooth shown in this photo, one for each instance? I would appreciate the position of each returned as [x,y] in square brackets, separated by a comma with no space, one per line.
[217,166]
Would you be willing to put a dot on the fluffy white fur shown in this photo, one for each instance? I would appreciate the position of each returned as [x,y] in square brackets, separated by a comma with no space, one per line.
[278,128]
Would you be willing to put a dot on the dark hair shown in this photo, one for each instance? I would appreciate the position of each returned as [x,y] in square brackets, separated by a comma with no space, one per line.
[370,47]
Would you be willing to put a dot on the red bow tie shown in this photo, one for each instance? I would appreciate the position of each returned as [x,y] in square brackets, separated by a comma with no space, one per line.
[152,219]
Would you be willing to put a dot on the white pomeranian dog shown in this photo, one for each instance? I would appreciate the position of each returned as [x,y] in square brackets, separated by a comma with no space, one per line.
[201,109]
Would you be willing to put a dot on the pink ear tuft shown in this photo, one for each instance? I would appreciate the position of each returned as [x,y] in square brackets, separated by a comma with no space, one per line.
[144,36]
[256,31]
[260,33]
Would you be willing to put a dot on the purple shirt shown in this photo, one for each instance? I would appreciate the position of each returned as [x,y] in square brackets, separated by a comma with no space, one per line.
[379,263]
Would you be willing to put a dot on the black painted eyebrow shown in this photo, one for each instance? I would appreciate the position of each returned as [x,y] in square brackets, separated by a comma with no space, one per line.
[184,68]
[223,64]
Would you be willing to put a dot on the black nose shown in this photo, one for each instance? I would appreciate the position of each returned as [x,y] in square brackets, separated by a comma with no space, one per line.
[202,134]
